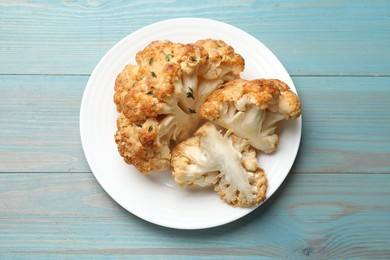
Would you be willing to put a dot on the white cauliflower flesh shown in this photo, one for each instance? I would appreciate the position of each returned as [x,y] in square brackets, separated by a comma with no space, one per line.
[252,109]
[225,161]
[159,98]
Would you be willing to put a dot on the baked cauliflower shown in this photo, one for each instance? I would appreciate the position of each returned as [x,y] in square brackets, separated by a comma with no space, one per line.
[159,98]
[226,162]
[251,109]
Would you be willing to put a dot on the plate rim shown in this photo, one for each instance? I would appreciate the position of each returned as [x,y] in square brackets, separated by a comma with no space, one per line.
[88,88]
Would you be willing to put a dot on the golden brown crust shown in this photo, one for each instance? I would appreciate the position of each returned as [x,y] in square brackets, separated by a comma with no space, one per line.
[148,90]
[139,89]
[258,182]
[138,145]
[123,83]
[222,54]
[264,93]
[220,57]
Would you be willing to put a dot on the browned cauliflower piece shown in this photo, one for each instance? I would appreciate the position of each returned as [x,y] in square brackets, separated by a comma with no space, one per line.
[251,109]
[222,60]
[227,162]
[165,90]
[146,152]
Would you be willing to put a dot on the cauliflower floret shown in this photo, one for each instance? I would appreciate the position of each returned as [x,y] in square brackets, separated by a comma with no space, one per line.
[166,89]
[223,62]
[251,109]
[225,161]
[139,144]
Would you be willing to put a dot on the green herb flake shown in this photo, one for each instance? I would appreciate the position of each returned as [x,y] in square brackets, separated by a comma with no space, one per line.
[192,59]
[153,74]
[192,111]
[150,92]
[190,94]
[151,60]
[139,125]
[168,56]
[150,128]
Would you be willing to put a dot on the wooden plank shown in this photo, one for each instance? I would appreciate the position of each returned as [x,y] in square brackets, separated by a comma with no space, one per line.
[311,38]
[39,122]
[322,216]
[346,126]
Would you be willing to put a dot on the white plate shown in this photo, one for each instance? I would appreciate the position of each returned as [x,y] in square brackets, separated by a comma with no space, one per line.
[156,198]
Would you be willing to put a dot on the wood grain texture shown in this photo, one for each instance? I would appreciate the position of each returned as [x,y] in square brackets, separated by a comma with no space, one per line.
[39,121]
[348,37]
[336,203]
[321,216]
[346,124]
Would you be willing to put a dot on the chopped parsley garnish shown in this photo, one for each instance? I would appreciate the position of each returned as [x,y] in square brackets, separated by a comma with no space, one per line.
[192,111]
[190,94]
[139,125]
[150,92]
[192,59]
[151,60]
[153,74]
[168,56]
[150,128]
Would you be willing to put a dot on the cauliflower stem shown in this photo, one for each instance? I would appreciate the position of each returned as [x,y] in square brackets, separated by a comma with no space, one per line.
[252,109]
[225,161]
[173,88]
[164,91]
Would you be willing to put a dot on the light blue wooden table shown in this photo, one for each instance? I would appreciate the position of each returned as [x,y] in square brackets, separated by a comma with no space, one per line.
[335,203]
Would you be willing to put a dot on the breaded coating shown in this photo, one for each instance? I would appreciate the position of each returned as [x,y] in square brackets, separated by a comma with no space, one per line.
[251,109]
[168,85]
[138,144]
[221,58]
